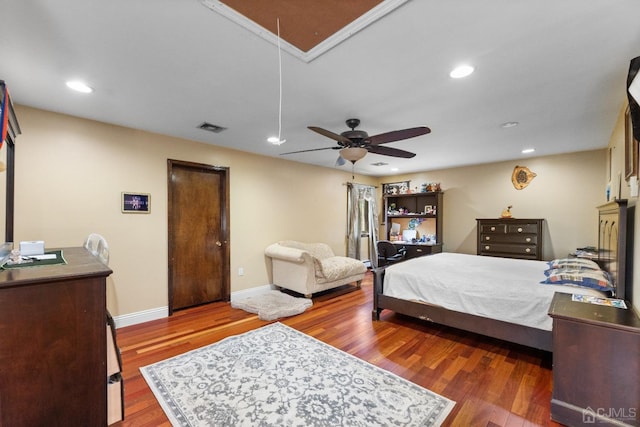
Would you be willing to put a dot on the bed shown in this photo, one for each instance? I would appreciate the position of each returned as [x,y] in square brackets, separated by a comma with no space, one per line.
[499,297]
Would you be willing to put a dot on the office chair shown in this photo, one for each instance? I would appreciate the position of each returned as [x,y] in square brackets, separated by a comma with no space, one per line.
[388,253]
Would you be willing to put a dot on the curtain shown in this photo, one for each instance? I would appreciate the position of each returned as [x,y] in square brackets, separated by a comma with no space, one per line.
[362,220]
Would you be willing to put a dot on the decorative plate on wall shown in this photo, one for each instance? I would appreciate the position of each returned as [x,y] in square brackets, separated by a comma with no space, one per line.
[521,177]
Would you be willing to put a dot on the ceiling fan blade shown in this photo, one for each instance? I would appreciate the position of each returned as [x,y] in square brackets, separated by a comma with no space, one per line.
[330,134]
[311,149]
[388,151]
[397,135]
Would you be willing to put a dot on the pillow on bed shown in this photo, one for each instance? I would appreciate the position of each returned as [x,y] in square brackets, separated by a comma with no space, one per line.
[595,279]
[573,264]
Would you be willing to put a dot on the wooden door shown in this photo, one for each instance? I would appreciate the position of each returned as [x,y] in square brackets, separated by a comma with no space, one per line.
[198,234]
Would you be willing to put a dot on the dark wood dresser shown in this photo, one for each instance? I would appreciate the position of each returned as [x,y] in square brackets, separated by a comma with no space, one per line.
[53,345]
[510,237]
[596,364]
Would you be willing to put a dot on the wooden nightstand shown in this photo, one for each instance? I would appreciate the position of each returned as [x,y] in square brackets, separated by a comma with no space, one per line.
[596,363]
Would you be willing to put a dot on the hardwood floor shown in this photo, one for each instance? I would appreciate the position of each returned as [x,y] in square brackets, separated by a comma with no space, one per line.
[493,382]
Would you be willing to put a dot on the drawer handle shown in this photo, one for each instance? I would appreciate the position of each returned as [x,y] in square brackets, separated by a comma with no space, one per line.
[519,229]
[418,250]
[486,248]
[487,238]
[527,250]
[493,229]
[528,239]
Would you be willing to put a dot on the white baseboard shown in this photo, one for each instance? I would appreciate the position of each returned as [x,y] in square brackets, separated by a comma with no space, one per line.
[252,292]
[141,316]
[163,312]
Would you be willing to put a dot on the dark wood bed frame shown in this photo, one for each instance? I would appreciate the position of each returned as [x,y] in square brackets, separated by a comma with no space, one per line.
[614,244]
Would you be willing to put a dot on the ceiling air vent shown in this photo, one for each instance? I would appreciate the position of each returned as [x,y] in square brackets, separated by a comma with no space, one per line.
[211,127]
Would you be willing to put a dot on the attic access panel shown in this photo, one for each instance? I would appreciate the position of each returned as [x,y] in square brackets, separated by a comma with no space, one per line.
[308,28]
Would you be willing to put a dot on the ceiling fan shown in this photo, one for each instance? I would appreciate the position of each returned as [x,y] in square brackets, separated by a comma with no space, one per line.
[355,144]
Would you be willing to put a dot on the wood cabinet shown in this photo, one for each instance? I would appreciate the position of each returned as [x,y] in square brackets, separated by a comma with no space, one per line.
[420,210]
[53,344]
[510,238]
[596,361]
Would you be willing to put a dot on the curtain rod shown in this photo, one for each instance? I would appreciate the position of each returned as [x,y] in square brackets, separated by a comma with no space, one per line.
[357,183]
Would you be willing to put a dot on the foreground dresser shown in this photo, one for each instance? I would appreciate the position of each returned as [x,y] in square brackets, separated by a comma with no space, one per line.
[596,361]
[510,237]
[53,343]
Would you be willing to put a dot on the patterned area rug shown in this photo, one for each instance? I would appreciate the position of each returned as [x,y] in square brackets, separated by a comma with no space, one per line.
[273,305]
[277,376]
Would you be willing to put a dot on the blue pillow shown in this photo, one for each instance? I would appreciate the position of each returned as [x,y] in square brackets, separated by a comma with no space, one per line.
[594,279]
[573,264]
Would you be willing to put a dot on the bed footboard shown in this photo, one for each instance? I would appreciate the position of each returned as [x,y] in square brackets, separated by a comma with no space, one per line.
[378,282]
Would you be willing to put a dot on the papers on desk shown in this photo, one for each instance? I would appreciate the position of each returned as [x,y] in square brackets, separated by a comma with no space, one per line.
[611,302]
[41,257]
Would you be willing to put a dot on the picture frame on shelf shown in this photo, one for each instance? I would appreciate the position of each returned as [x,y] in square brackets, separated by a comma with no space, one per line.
[392,188]
[136,202]
[630,148]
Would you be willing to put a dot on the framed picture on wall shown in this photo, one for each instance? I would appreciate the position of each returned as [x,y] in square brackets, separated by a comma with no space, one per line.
[136,202]
[630,148]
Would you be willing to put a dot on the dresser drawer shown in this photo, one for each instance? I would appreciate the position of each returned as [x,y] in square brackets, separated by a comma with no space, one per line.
[493,228]
[417,250]
[508,228]
[530,239]
[522,228]
[509,250]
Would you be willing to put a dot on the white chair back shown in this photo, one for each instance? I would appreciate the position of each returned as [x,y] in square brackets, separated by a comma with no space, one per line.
[97,245]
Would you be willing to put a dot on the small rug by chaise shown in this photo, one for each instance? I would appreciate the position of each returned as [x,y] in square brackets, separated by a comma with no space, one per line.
[273,305]
[277,376]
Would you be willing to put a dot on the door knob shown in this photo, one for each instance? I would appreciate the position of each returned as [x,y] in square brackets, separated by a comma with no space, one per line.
[218,243]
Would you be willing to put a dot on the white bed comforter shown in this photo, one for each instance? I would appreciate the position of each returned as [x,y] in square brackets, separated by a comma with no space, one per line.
[498,288]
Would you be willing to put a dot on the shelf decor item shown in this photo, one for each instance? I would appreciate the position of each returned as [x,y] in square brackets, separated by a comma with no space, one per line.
[401,187]
[136,202]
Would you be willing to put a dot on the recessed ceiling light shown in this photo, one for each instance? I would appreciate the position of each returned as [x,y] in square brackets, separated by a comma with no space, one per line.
[528,150]
[507,125]
[394,169]
[461,71]
[79,86]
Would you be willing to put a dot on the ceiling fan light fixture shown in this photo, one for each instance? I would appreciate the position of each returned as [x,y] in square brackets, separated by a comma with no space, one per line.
[353,154]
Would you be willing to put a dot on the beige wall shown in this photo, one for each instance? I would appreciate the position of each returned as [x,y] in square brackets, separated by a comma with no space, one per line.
[70,173]
[565,193]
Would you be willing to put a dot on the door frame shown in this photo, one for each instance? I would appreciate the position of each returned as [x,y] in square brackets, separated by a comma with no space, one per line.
[224,223]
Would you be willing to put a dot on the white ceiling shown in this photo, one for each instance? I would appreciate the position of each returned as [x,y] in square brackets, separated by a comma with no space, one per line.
[556,67]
